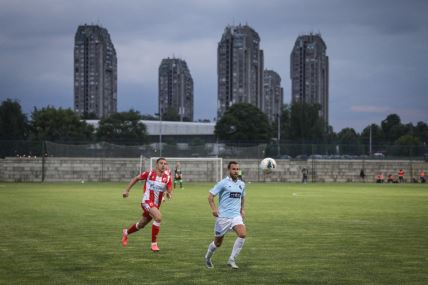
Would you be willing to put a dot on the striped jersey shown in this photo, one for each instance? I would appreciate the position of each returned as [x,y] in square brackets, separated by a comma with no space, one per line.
[155,186]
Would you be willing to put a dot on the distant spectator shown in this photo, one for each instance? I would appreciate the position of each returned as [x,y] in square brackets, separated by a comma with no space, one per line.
[178,175]
[391,179]
[380,178]
[422,177]
[362,175]
[304,175]
[401,175]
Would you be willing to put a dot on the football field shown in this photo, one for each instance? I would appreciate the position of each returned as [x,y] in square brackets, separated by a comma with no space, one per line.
[69,233]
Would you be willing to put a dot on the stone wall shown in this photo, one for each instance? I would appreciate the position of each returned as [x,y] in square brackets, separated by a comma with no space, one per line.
[21,169]
[331,170]
[59,169]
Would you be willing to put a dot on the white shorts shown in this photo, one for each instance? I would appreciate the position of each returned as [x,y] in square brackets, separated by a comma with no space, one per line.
[224,225]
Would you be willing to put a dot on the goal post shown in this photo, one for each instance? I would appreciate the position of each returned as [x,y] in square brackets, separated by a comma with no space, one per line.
[141,164]
[195,169]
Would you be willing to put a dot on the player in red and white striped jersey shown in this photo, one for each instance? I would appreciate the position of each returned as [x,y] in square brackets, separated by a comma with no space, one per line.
[157,183]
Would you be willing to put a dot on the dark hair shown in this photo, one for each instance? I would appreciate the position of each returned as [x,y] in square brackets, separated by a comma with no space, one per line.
[230,163]
[160,158]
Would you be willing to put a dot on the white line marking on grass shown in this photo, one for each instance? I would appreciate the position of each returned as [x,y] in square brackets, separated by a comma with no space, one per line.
[306,194]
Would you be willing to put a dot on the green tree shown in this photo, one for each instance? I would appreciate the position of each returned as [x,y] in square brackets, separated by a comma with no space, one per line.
[408,140]
[330,135]
[305,122]
[243,122]
[421,132]
[390,121]
[170,115]
[347,136]
[349,141]
[377,135]
[149,117]
[89,116]
[392,128]
[59,124]
[285,125]
[407,145]
[13,123]
[122,126]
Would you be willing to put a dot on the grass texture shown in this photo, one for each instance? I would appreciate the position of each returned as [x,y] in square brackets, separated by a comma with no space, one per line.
[69,233]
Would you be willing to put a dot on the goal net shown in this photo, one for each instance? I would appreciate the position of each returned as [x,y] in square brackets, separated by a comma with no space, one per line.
[195,169]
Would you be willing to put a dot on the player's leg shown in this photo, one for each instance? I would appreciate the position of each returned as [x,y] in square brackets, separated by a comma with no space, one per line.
[145,219]
[212,247]
[157,217]
[241,232]
[181,183]
[221,227]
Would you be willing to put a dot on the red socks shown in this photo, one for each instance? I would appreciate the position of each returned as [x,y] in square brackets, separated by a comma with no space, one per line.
[132,229]
[155,230]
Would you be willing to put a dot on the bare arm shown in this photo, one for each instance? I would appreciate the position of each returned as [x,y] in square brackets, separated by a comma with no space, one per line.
[169,191]
[131,183]
[214,208]
[242,207]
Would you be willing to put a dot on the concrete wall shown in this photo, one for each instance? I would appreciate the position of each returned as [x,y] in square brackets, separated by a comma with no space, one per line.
[67,169]
[21,169]
[331,170]
[123,169]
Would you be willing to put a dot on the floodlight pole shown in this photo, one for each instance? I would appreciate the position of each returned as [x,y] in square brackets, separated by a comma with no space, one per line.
[278,135]
[160,130]
[370,141]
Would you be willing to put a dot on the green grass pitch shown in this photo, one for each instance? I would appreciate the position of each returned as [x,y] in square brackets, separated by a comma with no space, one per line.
[65,233]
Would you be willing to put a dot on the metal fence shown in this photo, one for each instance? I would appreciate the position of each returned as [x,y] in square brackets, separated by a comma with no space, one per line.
[292,151]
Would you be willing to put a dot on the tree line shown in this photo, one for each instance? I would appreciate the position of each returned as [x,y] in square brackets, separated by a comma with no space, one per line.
[242,123]
[301,123]
[57,124]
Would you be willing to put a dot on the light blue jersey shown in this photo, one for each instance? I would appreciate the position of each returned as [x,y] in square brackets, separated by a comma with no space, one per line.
[230,194]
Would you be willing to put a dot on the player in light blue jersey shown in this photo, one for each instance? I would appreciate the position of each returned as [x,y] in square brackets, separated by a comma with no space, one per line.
[229,213]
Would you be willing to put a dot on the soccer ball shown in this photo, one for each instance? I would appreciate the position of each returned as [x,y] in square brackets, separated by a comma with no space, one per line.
[267,165]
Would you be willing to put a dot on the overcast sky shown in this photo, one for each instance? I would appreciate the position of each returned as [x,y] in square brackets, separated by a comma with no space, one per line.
[378,50]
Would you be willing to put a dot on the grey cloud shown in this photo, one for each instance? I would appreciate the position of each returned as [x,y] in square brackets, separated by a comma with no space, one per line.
[376,49]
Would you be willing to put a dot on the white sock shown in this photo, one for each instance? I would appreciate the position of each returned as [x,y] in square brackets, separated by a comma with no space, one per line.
[237,246]
[211,249]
